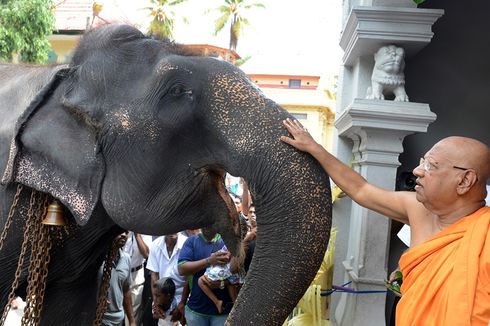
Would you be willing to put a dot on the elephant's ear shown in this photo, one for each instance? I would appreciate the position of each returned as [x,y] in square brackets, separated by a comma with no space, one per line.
[54,150]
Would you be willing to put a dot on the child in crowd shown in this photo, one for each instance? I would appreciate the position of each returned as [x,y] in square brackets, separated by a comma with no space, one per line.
[165,302]
[220,273]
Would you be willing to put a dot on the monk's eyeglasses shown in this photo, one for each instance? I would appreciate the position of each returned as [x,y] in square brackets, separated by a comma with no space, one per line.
[428,166]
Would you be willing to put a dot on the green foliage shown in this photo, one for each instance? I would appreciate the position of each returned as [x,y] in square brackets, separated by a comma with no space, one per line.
[24,29]
[418,1]
[241,61]
[163,18]
[232,12]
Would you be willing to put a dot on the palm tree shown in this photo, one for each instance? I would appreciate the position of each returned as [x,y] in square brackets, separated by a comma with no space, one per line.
[163,17]
[232,12]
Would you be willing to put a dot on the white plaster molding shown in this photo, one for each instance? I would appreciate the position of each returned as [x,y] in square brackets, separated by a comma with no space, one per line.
[377,128]
[406,117]
[369,28]
[389,3]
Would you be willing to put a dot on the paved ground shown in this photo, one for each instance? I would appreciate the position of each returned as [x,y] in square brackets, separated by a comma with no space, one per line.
[15,316]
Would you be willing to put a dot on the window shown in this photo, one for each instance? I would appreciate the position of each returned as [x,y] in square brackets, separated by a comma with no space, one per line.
[295,83]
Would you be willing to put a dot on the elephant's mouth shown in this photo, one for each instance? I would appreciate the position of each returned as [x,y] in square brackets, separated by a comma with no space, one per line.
[230,205]
[227,222]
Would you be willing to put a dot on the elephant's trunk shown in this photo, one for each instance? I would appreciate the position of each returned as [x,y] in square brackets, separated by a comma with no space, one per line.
[291,195]
[293,206]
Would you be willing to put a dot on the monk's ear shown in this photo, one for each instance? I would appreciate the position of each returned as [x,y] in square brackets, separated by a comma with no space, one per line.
[468,180]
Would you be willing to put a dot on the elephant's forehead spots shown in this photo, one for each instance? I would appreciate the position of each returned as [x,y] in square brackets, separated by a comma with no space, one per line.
[248,119]
[233,92]
[151,131]
[130,122]
[164,68]
[239,90]
[122,117]
[147,126]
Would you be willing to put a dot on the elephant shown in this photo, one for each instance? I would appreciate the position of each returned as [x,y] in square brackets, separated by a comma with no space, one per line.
[135,133]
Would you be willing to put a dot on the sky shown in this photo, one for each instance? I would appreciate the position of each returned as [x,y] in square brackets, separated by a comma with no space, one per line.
[294,35]
[299,37]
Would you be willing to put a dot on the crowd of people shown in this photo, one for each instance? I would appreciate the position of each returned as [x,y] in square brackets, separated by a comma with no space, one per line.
[191,277]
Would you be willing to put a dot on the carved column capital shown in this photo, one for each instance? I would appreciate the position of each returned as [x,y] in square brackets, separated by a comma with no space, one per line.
[377,128]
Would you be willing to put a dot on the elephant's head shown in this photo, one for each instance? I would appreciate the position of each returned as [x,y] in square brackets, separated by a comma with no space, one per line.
[146,129]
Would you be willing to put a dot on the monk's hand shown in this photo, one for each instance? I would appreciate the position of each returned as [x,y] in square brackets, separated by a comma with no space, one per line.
[395,281]
[301,139]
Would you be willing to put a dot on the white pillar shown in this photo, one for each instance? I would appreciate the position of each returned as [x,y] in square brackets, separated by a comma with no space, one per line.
[377,129]
[371,135]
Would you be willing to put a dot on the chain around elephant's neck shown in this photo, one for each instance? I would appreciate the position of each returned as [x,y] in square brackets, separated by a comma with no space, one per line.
[37,236]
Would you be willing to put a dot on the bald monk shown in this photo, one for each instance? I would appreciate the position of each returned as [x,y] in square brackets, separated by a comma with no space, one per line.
[446,271]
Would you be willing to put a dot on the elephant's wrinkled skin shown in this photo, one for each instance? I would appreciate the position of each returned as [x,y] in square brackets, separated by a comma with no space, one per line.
[135,133]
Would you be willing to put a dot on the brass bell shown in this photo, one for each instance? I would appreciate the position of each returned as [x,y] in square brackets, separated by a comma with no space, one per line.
[54,215]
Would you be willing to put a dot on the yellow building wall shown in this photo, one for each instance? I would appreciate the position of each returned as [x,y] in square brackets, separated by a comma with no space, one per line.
[284,80]
[319,122]
[313,108]
[63,46]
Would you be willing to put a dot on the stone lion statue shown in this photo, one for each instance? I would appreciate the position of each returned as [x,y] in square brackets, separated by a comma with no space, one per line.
[388,74]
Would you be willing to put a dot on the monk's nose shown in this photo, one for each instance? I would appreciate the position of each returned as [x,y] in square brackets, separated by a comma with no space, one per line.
[418,171]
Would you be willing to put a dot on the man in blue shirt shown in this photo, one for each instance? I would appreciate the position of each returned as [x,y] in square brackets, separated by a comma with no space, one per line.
[198,252]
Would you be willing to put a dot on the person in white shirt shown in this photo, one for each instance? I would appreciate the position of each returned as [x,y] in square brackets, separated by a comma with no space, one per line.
[137,247]
[162,262]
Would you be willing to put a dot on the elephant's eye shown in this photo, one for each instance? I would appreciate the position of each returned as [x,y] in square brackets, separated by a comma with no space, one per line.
[179,90]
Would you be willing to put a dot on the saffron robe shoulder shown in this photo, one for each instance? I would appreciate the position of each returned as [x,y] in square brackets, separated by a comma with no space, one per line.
[446,280]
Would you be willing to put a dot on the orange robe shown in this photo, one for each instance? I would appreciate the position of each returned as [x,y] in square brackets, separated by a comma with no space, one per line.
[446,280]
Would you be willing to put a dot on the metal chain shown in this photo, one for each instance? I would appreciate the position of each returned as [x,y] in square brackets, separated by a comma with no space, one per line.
[10,215]
[38,267]
[25,243]
[38,273]
[39,238]
[104,287]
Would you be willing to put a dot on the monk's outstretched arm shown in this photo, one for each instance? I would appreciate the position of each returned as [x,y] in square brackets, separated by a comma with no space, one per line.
[389,203]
